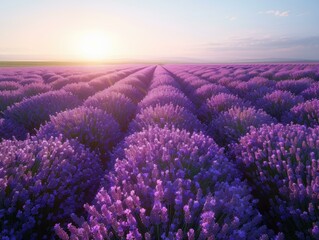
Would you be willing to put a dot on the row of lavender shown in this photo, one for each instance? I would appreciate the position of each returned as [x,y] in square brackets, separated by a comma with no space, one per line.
[49,176]
[168,178]
[279,154]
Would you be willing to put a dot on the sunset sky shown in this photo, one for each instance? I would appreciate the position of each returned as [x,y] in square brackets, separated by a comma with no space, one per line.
[175,30]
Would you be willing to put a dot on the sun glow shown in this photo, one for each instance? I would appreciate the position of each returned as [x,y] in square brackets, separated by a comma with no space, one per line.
[94,46]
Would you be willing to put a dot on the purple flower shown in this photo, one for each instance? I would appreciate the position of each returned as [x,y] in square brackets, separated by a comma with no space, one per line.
[102,82]
[165,89]
[282,75]
[168,115]
[207,91]
[166,97]
[278,103]
[43,182]
[230,125]
[163,79]
[306,113]
[115,104]
[311,92]
[81,90]
[281,163]
[254,89]
[134,81]
[10,129]
[134,94]
[220,103]
[90,126]
[140,79]
[9,85]
[305,73]
[8,98]
[294,86]
[33,111]
[61,82]
[8,78]
[170,184]
[33,89]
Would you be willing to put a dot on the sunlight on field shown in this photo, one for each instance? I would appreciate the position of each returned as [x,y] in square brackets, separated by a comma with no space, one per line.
[93,46]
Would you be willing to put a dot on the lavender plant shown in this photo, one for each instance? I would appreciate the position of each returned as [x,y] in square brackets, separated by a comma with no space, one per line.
[33,111]
[220,103]
[133,93]
[10,129]
[33,89]
[116,104]
[170,185]
[167,115]
[278,103]
[8,98]
[311,92]
[43,182]
[92,127]
[9,86]
[294,86]
[306,113]
[281,163]
[162,98]
[230,125]
[82,90]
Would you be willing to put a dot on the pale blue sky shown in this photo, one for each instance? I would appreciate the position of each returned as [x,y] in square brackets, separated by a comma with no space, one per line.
[201,30]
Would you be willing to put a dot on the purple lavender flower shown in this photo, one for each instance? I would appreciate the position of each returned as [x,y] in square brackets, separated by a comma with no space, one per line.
[306,113]
[167,115]
[282,164]
[30,79]
[278,102]
[10,129]
[225,81]
[294,86]
[134,81]
[230,125]
[6,78]
[49,77]
[191,83]
[282,75]
[311,92]
[220,103]
[82,90]
[116,104]
[33,111]
[102,82]
[129,91]
[163,79]
[162,98]
[90,126]
[254,89]
[33,89]
[140,79]
[9,86]
[43,182]
[310,73]
[207,91]
[171,184]
[165,89]
[8,98]
[61,82]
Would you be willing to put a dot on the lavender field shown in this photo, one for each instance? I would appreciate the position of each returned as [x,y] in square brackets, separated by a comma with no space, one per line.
[160,152]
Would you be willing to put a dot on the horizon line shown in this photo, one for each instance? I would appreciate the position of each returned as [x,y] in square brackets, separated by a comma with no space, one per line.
[30,63]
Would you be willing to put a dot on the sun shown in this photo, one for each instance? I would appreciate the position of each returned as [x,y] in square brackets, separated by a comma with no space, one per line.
[94,46]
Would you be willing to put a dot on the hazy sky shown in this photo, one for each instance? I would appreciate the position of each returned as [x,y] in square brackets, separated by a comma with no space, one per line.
[205,30]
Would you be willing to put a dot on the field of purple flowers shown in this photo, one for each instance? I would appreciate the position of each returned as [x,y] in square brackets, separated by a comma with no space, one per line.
[160,152]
